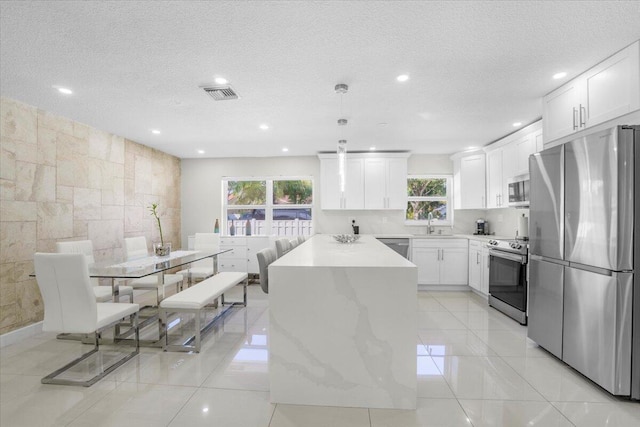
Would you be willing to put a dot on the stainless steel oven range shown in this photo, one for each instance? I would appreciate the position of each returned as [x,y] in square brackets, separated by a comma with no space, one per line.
[508,277]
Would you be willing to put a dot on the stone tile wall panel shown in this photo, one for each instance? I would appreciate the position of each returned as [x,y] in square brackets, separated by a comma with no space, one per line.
[63,180]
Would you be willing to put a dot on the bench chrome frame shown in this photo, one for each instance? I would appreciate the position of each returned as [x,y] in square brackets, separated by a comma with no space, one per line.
[196,338]
[51,378]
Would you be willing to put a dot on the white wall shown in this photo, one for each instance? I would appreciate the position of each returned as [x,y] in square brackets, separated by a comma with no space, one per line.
[202,198]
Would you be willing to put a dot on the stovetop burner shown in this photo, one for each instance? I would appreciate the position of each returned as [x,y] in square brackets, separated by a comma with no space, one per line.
[509,245]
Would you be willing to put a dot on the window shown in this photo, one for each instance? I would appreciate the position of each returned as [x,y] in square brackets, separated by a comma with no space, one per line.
[280,206]
[429,196]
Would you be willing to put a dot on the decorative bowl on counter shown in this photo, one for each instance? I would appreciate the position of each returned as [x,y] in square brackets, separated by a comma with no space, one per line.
[346,238]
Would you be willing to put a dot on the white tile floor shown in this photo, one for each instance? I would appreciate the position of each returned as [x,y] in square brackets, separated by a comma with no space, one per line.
[475,368]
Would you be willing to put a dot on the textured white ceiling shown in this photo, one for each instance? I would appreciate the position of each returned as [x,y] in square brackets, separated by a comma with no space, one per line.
[476,67]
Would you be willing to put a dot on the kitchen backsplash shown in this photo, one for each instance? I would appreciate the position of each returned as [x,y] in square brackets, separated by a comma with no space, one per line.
[504,222]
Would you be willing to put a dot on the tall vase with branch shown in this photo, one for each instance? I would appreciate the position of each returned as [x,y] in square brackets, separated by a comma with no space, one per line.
[160,249]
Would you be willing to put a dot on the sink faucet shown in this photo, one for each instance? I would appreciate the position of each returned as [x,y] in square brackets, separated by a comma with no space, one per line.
[429,226]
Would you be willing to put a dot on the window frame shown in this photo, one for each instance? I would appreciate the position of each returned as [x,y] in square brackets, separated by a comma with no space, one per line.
[269,206]
[448,199]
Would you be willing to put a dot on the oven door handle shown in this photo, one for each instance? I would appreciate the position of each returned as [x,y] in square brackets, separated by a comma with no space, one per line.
[512,257]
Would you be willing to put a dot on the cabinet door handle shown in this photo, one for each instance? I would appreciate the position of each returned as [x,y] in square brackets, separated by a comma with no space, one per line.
[482,203]
[477,258]
[583,119]
[443,255]
[496,200]
[575,124]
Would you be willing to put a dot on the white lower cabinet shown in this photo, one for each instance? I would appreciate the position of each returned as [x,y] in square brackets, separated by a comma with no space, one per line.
[441,261]
[478,267]
[236,259]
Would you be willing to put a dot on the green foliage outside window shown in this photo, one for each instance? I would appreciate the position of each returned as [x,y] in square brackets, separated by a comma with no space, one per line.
[246,192]
[426,195]
[297,192]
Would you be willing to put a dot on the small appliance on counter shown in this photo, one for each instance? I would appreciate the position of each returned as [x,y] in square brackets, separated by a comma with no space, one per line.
[356,228]
[482,227]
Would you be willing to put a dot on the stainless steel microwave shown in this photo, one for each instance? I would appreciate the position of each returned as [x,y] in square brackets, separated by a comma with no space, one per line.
[519,191]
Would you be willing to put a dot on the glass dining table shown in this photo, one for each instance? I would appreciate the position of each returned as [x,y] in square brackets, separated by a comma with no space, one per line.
[118,270]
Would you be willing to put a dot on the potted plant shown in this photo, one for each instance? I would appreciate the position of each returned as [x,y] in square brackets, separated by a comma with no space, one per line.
[160,249]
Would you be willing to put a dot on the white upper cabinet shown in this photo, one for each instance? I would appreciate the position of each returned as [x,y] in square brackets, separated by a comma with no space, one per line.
[330,187]
[397,183]
[469,181]
[495,183]
[523,149]
[354,181]
[507,159]
[374,181]
[560,111]
[385,183]
[606,91]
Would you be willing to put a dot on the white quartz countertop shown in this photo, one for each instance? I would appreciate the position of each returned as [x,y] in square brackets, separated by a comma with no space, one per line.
[322,250]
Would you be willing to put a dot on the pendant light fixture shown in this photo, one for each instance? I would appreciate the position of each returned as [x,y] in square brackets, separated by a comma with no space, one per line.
[341,151]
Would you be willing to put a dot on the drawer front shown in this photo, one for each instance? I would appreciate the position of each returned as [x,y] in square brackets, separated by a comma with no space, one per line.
[475,244]
[233,264]
[440,243]
[236,252]
[233,241]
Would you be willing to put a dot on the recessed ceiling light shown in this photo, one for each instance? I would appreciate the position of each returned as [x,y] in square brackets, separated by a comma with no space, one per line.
[64,90]
[221,80]
[559,75]
[264,126]
[285,149]
[200,151]
[155,131]
[372,148]
[382,124]
[402,77]
[471,148]
[516,124]
[205,410]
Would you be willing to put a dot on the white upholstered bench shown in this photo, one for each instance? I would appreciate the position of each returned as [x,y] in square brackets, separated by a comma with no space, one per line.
[195,299]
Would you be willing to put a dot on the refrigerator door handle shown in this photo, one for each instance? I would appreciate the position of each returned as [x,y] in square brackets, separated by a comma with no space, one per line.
[551,260]
[592,269]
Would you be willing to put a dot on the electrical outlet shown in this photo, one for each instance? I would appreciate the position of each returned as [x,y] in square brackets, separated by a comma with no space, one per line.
[384,219]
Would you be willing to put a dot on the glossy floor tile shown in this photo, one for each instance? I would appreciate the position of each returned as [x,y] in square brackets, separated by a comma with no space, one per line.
[485,413]
[475,367]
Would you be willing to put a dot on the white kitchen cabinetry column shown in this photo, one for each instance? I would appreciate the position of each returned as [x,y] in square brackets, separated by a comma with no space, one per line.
[441,261]
[495,183]
[469,181]
[606,91]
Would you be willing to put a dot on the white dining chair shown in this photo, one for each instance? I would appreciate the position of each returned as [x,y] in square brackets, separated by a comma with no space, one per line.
[85,247]
[135,248]
[301,239]
[265,257]
[70,307]
[282,247]
[202,269]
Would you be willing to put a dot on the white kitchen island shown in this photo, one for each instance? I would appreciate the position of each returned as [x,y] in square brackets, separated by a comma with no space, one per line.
[343,325]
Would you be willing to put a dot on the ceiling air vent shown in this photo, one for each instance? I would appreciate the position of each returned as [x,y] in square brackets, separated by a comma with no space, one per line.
[221,93]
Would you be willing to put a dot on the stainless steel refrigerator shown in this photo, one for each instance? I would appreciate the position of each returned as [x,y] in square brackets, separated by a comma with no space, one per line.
[584,299]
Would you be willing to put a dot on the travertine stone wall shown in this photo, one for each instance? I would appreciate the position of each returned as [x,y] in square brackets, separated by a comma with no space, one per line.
[63,180]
